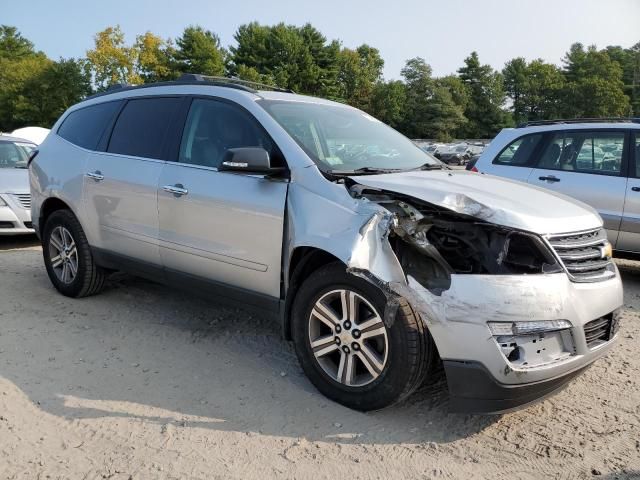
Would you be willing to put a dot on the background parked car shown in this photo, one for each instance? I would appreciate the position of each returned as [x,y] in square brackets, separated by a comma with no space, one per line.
[455,154]
[15,199]
[597,162]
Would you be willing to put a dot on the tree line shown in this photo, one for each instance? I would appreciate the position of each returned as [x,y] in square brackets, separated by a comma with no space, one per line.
[475,102]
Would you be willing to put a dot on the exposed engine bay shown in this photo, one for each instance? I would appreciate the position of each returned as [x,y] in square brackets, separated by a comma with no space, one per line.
[432,243]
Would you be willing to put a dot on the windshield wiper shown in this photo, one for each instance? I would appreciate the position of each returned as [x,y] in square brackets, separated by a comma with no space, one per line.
[364,171]
[432,166]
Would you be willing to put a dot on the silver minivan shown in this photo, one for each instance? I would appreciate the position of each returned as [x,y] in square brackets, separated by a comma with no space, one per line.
[379,262]
[595,161]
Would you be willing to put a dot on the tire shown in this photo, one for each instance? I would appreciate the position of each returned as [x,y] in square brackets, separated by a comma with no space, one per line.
[409,350]
[62,227]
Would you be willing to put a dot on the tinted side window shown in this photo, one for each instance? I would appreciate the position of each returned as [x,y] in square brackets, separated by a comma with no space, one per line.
[142,126]
[213,127]
[519,152]
[585,152]
[84,127]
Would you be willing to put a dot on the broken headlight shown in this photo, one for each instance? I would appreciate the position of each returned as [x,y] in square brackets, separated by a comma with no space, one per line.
[479,248]
[527,327]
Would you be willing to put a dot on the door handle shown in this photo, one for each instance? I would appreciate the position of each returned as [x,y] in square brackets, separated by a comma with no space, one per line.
[177,190]
[549,178]
[635,189]
[97,175]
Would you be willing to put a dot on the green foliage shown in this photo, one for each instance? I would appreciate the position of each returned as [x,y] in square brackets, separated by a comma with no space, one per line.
[484,110]
[111,60]
[199,51]
[358,72]
[535,89]
[13,46]
[292,57]
[594,84]
[388,102]
[430,109]
[476,102]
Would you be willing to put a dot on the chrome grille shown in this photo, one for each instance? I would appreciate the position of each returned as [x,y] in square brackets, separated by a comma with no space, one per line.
[583,255]
[24,199]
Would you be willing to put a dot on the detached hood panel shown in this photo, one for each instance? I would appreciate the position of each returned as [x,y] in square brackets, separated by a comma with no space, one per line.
[493,199]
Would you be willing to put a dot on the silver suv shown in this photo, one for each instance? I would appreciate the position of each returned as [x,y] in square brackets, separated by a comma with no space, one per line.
[378,261]
[596,161]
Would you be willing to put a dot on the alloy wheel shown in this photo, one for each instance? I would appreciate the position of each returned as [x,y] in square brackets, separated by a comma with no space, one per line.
[348,338]
[63,254]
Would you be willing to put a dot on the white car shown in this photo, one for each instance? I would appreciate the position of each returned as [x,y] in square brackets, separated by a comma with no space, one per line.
[15,199]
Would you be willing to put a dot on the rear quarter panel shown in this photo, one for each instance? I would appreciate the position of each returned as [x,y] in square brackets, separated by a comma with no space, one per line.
[58,171]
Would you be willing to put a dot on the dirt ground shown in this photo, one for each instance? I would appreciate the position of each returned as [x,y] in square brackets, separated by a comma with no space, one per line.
[143,382]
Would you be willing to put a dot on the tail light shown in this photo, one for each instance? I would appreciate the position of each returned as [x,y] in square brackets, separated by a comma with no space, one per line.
[474,169]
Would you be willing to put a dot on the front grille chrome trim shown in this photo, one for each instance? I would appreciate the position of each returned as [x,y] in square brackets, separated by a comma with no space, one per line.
[582,254]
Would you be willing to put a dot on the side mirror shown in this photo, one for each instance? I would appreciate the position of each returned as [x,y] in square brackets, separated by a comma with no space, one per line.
[250,160]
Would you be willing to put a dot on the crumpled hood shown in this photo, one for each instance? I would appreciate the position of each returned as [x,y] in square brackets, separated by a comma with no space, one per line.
[14,180]
[494,199]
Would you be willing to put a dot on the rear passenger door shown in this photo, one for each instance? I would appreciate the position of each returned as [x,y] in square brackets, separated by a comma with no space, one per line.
[120,183]
[222,227]
[629,239]
[589,165]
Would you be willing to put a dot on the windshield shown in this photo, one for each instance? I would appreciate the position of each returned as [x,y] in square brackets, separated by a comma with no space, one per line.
[461,148]
[14,154]
[341,139]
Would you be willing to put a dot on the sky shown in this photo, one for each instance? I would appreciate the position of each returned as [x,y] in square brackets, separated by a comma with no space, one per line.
[443,32]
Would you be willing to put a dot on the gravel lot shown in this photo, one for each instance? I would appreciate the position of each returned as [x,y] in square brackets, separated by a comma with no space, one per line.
[142,382]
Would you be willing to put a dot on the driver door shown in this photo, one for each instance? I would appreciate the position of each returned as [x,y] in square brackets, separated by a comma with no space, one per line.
[222,227]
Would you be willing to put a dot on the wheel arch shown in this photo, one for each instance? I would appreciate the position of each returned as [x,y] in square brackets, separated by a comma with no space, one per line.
[49,206]
[303,262]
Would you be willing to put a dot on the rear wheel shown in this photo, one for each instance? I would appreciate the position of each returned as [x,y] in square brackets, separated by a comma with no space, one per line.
[67,256]
[346,349]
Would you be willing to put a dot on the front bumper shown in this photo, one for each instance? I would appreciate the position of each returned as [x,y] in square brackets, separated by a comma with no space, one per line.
[480,375]
[15,218]
[472,389]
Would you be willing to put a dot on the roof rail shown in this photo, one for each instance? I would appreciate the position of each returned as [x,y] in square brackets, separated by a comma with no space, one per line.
[231,82]
[535,123]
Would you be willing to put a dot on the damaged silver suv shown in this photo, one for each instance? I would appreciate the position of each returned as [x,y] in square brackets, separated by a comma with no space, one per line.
[379,261]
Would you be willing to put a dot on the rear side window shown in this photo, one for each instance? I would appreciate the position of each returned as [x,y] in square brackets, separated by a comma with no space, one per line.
[519,152]
[142,127]
[84,127]
[585,152]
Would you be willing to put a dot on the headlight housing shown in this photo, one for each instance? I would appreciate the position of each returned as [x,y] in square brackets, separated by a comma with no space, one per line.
[480,248]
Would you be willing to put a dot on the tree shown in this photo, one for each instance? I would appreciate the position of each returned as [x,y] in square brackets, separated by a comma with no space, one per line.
[484,110]
[359,71]
[292,57]
[156,60]
[534,88]
[430,111]
[594,85]
[388,102]
[13,46]
[111,61]
[199,51]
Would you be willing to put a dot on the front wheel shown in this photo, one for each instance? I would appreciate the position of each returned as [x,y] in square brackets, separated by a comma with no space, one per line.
[346,349]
